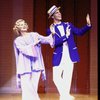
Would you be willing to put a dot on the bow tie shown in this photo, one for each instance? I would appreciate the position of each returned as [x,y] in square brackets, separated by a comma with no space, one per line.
[58,24]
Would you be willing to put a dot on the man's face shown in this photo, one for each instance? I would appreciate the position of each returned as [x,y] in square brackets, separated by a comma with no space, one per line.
[57,15]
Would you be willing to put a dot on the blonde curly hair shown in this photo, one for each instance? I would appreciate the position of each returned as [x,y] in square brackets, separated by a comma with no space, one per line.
[16,27]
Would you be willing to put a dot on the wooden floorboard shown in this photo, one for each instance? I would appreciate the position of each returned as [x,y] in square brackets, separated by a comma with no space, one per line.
[48,96]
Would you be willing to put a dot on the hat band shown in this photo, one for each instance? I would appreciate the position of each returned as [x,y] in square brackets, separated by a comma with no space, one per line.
[53,10]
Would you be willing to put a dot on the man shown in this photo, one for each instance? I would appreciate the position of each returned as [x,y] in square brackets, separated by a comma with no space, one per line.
[65,53]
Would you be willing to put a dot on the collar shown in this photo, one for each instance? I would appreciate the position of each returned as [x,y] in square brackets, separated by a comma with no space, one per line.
[57,24]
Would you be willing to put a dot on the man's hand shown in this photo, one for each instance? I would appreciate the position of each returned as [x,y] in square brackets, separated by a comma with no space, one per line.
[68,31]
[88,20]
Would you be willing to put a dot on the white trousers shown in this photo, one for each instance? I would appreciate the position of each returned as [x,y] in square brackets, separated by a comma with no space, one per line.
[29,85]
[62,75]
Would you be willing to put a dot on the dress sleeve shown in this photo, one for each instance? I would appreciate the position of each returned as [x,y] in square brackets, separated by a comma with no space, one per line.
[47,40]
[27,50]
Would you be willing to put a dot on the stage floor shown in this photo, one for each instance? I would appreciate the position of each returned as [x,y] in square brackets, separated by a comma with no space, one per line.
[48,96]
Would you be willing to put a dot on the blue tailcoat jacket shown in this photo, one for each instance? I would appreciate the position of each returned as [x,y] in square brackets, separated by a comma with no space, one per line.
[58,39]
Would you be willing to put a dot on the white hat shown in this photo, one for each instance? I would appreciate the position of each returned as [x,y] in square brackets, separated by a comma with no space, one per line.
[52,10]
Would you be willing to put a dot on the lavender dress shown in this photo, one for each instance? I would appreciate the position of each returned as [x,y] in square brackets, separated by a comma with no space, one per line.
[29,56]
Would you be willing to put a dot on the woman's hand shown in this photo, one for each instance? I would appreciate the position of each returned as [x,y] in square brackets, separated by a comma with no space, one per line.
[36,40]
[52,29]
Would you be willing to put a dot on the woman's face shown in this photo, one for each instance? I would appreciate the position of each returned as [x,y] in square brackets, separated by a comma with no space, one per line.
[22,26]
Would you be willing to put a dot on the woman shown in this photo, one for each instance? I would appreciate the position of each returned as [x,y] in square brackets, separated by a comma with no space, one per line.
[29,60]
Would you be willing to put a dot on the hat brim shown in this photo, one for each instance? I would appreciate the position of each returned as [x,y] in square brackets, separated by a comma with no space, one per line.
[54,12]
